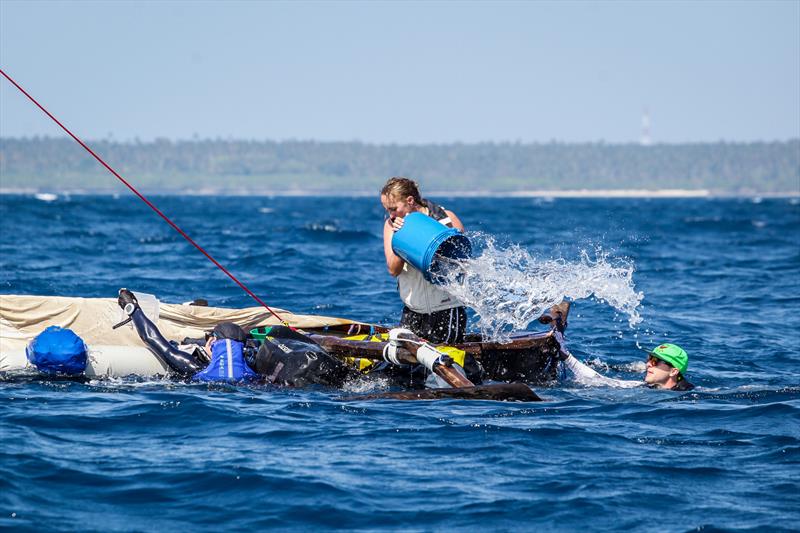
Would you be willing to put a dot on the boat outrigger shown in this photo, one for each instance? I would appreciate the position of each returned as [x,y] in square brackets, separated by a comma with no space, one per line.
[530,358]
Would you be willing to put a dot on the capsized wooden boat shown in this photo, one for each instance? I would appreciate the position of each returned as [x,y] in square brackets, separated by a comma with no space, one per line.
[529,357]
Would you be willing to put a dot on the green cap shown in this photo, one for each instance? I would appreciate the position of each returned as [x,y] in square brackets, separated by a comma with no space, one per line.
[672,354]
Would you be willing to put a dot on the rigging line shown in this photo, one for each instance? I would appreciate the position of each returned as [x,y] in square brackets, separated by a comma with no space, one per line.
[145,200]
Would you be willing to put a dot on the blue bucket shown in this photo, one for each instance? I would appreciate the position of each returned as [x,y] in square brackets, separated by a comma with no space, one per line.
[422,240]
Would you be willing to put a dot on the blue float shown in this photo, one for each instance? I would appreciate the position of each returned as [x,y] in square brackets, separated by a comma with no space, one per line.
[422,240]
[58,351]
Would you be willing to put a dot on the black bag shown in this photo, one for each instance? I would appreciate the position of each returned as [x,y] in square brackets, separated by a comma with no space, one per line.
[287,357]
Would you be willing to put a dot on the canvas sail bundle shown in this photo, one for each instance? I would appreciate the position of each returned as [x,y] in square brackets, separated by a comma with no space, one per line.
[23,317]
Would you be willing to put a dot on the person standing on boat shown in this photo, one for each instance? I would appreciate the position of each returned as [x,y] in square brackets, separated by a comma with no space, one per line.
[428,311]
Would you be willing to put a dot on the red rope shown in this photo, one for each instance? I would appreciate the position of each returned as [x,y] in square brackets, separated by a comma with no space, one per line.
[145,200]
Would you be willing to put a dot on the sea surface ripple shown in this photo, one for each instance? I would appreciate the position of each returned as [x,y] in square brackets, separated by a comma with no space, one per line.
[721,277]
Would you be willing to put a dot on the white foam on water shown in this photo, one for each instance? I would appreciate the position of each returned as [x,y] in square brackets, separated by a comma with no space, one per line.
[509,287]
[46,197]
[362,385]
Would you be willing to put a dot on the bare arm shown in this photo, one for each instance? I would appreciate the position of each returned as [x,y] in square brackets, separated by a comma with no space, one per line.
[394,263]
[455,221]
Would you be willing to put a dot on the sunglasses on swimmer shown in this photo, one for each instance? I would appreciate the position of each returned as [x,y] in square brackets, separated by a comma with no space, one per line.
[654,361]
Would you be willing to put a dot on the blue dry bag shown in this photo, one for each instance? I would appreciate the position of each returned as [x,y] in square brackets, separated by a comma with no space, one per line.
[58,351]
[227,363]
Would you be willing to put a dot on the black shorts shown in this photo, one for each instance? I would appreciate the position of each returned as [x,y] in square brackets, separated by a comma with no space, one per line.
[440,327]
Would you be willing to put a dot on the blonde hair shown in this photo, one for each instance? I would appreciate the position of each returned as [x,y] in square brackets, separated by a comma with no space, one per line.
[399,188]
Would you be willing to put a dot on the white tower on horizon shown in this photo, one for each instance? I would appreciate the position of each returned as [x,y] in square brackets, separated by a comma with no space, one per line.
[646,140]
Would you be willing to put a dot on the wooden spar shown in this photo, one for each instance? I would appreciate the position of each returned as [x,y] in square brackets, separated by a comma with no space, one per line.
[557,316]
[515,392]
[407,353]
[445,371]
[452,376]
[365,349]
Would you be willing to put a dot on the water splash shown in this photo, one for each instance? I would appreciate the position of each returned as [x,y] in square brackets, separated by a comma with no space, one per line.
[508,288]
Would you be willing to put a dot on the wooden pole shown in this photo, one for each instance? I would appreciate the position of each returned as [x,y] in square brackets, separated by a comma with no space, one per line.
[406,353]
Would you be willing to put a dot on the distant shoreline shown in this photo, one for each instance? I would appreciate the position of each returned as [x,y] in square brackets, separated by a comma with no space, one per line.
[352,169]
[579,193]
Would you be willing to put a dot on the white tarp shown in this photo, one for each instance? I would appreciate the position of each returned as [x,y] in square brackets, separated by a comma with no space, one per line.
[23,317]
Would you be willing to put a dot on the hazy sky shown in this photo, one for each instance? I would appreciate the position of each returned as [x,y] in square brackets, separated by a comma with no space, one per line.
[410,72]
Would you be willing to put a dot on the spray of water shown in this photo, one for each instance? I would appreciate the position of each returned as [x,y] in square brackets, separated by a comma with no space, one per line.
[509,288]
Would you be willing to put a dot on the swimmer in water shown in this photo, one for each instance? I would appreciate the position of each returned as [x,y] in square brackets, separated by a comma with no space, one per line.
[286,357]
[666,368]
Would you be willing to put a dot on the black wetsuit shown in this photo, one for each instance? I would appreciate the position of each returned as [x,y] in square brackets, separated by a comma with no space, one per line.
[682,386]
[180,362]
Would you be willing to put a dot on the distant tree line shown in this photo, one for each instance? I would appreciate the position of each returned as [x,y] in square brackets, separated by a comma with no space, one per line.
[269,166]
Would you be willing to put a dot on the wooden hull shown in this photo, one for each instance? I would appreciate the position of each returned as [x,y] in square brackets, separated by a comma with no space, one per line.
[530,358]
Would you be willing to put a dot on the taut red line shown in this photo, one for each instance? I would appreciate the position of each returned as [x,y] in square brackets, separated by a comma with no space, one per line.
[145,200]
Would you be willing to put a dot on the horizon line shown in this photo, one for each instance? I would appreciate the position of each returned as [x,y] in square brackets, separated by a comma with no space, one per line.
[553,142]
[543,194]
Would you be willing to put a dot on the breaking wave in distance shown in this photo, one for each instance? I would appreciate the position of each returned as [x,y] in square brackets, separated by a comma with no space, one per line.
[508,287]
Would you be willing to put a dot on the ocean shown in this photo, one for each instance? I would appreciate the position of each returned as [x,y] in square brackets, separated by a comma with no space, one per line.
[720,277]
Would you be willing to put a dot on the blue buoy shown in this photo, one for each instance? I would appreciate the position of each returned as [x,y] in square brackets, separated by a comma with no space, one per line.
[58,351]
[422,240]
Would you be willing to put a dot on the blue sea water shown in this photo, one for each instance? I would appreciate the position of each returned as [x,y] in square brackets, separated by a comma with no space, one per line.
[721,277]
